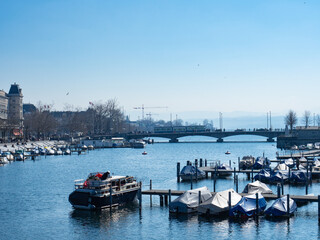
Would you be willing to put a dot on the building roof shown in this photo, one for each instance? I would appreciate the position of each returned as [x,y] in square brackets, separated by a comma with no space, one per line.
[14,89]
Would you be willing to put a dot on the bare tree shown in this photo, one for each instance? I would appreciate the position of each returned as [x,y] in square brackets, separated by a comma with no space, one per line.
[306,120]
[318,120]
[291,119]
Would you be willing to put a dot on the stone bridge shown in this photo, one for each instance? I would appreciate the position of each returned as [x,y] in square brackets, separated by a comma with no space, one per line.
[270,135]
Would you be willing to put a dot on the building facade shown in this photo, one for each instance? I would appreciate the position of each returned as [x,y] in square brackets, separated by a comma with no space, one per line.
[11,113]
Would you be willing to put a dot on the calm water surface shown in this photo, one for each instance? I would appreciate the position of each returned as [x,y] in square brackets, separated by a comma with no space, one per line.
[34,197]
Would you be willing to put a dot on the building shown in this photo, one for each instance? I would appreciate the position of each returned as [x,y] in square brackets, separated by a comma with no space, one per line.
[11,113]
[3,105]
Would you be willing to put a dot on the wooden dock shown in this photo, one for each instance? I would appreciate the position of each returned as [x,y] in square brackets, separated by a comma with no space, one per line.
[310,154]
[298,198]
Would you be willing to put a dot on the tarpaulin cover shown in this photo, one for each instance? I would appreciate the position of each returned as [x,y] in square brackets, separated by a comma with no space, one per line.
[263,175]
[279,207]
[280,176]
[247,205]
[219,202]
[191,170]
[189,199]
[300,176]
[256,187]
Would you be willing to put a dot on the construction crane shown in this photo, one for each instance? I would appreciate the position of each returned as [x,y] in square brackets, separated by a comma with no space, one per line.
[151,114]
[143,107]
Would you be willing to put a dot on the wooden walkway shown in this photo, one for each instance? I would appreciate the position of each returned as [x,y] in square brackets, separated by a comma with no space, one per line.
[298,198]
[311,153]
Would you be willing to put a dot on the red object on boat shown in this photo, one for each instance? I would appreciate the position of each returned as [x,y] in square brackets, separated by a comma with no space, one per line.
[144,153]
[99,175]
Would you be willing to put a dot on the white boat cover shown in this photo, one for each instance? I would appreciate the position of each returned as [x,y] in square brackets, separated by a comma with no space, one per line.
[189,201]
[281,166]
[219,202]
[256,187]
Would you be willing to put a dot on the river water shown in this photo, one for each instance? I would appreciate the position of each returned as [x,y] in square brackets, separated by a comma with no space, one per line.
[34,197]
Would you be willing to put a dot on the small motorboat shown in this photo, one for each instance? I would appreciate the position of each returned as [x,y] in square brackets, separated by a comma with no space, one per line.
[190,172]
[218,204]
[247,206]
[226,167]
[263,176]
[188,202]
[227,152]
[261,162]
[281,176]
[247,162]
[257,187]
[280,208]
[144,153]
[300,176]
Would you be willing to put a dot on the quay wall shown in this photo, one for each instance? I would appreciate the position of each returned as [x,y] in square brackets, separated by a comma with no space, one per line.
[299,137]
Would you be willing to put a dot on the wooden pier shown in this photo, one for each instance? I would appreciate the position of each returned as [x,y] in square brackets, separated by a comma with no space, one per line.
[306,154]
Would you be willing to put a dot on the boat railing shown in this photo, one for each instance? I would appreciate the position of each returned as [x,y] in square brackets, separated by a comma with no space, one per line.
[214,163]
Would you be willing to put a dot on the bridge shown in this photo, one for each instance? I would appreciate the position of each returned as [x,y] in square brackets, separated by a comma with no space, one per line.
[220,135]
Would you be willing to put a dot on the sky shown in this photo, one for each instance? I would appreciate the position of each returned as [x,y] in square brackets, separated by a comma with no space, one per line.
[193,57]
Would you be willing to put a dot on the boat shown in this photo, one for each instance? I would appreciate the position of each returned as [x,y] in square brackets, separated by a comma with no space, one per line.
[281,176]
[190,172]
[3,160]
[90,147]
[288,162]
[59,152]
[94,192]
[300,176]
[247,207]
[144,153]
[280,208]
[281,167]
[226,167]
[227,152]
[20,157]
[247,162]
[188,202]
[67,152]
[256,187]
[261,162]
[8,155]
[218,204]
[137,143]
[263,176]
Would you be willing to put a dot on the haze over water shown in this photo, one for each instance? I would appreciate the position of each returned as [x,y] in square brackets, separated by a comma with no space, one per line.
[34,197]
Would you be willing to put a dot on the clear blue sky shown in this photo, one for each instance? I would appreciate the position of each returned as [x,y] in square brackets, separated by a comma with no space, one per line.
[230,55]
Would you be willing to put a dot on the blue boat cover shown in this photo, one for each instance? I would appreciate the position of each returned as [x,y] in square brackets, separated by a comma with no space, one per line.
[300,176]
[261,162]
[279,207]
[247,206]
[191,170]
[279,176]
[263,176]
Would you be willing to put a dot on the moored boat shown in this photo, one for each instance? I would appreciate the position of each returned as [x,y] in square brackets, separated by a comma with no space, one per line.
[280,208]
[101,190]
[190,172]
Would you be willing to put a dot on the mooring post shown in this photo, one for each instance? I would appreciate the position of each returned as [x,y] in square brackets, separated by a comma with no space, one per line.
[229,203]
[161,200]
[307,188]
[205,162]
[307,171]
[278,190]
[110,199]
[251,174]
[201,162]
[230,163]
[237,188]
[199,199]
[191,182]
[289,175]
[169,196]
[288,204]
[257,204]
[239,163]
[196,163]
[178,172]
[319,208]
[214,182]
[166,200]
[234,175]
[282,190]
[140,195]
[150,193]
